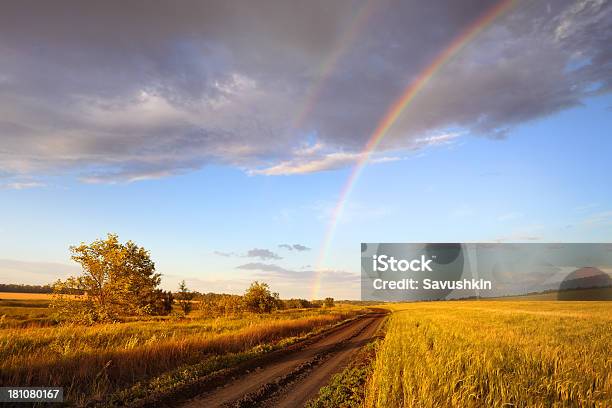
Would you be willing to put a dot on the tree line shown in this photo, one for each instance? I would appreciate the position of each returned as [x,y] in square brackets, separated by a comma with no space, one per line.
[119,280]
[21,288]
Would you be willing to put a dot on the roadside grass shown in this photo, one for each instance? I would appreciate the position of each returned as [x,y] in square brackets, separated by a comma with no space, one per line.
[92,362]
[161,386]
[494,353]
[165,383]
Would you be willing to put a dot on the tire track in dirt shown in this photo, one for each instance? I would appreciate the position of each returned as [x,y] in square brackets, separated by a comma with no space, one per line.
[306,387]
[296,377]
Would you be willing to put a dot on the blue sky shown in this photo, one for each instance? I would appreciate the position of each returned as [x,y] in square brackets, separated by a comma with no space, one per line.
[212,135]
[548,181]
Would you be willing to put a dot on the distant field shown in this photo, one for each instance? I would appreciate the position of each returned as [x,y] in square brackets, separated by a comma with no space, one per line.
[26,310]
[575,294]
[28,296]
[21,311]
[495,353]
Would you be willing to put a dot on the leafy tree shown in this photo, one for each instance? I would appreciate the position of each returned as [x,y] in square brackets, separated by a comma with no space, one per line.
[118,279]
[328,302]
[231,304]
[162,302]
[297,304]
[259,299]
[184,297]
[214,304]
[82,310]
[316,303]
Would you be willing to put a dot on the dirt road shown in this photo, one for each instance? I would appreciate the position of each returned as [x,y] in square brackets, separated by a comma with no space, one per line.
[295,377]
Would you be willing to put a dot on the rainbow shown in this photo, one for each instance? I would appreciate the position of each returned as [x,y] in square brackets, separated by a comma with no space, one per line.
[394,112]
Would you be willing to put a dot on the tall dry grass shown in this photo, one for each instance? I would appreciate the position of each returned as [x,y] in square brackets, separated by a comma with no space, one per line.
[495,354]
[91,362]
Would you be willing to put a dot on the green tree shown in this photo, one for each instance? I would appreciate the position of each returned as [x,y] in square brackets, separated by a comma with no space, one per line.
[184,297]
[328,302]
[259,299]
[297,304]
[117,279]
[214,304]
[162,303]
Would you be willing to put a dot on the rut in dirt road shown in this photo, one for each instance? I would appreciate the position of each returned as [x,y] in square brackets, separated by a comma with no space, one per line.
[296,377]
[306,387]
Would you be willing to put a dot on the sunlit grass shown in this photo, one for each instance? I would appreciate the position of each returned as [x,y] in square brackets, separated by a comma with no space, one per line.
[25,296]
[90,362]
[495,353]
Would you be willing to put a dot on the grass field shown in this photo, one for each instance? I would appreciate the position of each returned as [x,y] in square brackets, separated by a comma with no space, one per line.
[22,311]
[25,296]
[495,353]
[103,360]
[510,352]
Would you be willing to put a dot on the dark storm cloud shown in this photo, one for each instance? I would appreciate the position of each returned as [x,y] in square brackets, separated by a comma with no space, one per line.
[121,91]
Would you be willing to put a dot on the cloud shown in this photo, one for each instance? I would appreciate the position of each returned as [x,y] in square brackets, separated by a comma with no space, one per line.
[599,219]
[442,139]
[288,282]
[317,158]
[314,159]
[299,165]
[263,254]
[173,88]
[258,266]
[22,185]
[34,273]
[297,247]
[234,286]
[225,254]
[276,272]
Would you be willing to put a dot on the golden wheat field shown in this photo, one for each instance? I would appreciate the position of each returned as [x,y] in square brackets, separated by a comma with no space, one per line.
[495,353]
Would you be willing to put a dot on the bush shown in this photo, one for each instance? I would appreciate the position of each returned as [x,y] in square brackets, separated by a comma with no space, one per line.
[259,299]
